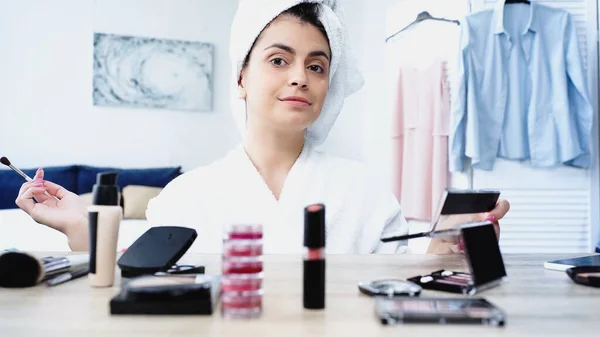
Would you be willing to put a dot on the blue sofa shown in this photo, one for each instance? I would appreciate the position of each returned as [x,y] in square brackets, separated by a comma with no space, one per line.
[81,178]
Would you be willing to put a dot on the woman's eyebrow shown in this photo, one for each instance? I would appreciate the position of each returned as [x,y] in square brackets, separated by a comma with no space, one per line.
[319,53]
[293,51]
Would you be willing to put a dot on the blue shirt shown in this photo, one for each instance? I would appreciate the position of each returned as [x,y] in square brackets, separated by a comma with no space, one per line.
[520,90]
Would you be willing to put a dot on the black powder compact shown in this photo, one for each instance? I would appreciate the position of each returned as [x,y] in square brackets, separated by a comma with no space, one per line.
[588,276]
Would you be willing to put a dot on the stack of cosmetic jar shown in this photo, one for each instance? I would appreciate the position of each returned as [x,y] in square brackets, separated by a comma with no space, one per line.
[242,269]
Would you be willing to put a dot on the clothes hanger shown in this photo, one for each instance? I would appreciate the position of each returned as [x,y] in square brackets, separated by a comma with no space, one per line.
[517,2]
[422,17]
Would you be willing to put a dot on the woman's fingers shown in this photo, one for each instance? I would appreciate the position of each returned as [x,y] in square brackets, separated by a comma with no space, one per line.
[55,189]
[502,207]
[456,249]
[36,182]
[25,200]
[497,230]
[48,199]
[39,174]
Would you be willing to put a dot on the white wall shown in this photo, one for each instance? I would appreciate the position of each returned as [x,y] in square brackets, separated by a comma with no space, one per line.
[46,111]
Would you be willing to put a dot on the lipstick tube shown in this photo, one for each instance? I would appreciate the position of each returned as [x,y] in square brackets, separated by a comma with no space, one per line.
[313,295]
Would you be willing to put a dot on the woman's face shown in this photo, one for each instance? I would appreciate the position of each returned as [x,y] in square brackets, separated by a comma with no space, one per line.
[287,76]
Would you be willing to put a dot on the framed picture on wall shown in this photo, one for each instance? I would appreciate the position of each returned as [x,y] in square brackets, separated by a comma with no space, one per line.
[152,73]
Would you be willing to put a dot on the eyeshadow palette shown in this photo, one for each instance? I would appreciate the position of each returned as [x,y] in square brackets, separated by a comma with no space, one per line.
[485,262]
[409,310]
[445,280]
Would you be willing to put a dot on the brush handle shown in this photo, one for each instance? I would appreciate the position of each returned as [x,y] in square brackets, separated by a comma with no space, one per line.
[28,179]
[436,234]
[405,237]
[21,173]
[445,233]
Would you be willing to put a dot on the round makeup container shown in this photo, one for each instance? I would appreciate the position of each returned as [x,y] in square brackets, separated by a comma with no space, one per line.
[242,272]
[247,304]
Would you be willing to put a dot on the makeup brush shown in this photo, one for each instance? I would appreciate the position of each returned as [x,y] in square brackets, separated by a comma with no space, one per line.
[6,162]
[433,234]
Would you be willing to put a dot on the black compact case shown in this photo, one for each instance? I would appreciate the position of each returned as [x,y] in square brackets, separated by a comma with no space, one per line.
[167,295]
[157,250]
[155,285]
[485,262]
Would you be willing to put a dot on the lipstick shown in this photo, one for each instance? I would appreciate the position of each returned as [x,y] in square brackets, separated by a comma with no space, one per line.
[314,257]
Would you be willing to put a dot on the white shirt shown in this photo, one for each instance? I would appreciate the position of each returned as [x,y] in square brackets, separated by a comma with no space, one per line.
[358,209]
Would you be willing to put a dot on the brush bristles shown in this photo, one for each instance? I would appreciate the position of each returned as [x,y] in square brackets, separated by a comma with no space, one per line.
[5,161]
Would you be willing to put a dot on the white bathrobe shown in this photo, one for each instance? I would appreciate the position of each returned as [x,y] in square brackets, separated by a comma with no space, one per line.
[359,209]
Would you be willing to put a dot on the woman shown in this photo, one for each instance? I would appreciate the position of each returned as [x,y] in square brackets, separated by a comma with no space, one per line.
[293,69]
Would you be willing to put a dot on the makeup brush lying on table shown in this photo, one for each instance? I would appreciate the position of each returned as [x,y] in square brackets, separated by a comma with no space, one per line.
[27,178]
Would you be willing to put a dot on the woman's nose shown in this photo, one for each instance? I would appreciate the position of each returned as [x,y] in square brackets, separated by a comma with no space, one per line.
[298,78]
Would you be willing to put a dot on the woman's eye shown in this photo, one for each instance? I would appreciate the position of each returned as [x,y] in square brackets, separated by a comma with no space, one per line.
[316,68]
[278,62]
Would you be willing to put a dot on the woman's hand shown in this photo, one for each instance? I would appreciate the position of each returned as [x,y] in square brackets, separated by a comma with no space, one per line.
[67,215]
[452,245]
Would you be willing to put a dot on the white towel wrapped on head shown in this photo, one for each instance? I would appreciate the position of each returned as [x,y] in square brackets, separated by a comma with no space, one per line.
[253,16]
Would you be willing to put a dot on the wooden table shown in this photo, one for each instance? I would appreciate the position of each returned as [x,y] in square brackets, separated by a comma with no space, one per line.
[538,302]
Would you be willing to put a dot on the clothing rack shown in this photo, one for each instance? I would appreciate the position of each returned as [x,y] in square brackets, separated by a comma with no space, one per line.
[423,16]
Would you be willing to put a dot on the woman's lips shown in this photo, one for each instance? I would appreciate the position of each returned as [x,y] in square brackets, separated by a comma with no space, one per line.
[297,102]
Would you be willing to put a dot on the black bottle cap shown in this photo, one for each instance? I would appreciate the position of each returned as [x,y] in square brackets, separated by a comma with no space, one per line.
[106,191]
[314,226]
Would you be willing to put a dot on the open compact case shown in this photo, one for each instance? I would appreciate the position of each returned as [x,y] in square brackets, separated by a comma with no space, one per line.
[157,251]
[483,257]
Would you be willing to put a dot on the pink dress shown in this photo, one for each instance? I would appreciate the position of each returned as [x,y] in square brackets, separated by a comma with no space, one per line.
[420,140]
